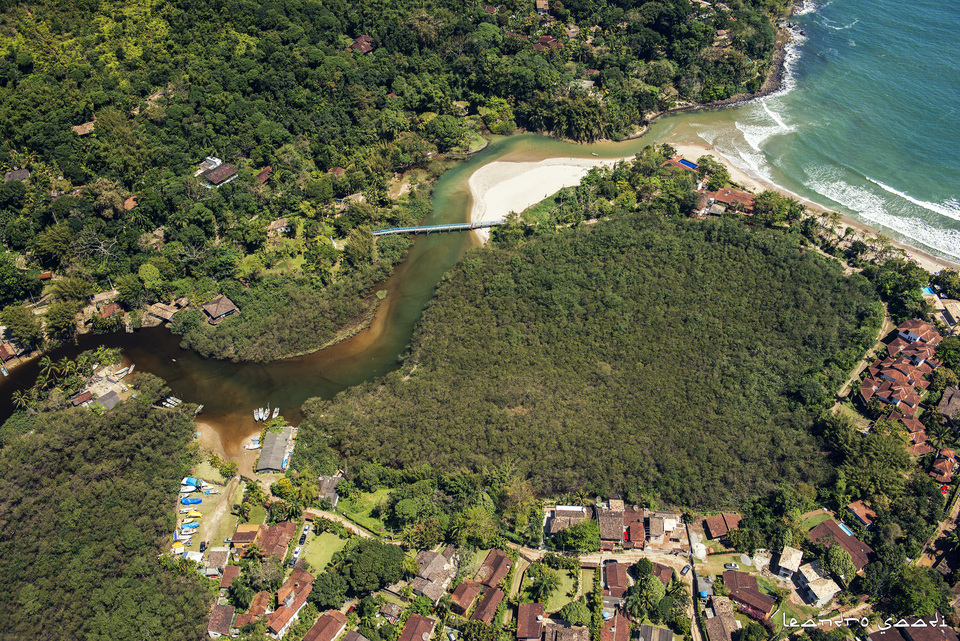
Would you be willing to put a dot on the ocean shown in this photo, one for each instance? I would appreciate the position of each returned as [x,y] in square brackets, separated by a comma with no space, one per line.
[867,121]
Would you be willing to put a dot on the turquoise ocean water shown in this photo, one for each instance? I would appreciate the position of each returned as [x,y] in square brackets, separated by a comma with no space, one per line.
[867,122]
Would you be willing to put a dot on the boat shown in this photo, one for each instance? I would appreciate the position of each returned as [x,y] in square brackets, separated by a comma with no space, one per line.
[198,410]
[276,411]
[130,371]
[593,154]
[194,514]
[256,416]
[189,501]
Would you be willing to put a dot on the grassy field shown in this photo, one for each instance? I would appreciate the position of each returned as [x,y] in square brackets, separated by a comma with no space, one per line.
[814,521]
[208,473]
[847,409]
[258,514]
[562,596]
[540,213]
[320,549]
[359,511]
[714,564]
[586,581]
[518,571]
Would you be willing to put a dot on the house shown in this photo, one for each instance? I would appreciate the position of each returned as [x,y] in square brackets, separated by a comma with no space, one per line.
[615,579]
[681,163]
[489,8]
[219,308]
[291,597]
[220,620]
[564,516]
[830,532]
[435,573]
[721,628]
[495,567]
[217,559]
[130,203]
[275,539]
[108,401]
[277,227]
[418,628]
[529,621]
[80,399]
[634,531]
[463,597]
[245,535]
[273,450]
[353,635]
[327,628]
[7,351]
[653,633]
[556,632]
[663,572]
[655,529]
[865,515]
[84,129]
[944,467]
[790,560]
[611,521]
[815,583]
[230,572]
[16,174]
[220,175]
[543,6]
[919,630]
[890,634]
[264,174]
[488,606]
[363,44]
[109,311]
[327,487]
[161,311]
[719,525]
[950,406]
[391,612]
[741,200]
[337,171]
[259,608]
[915,330]
[616,629]
[743,590]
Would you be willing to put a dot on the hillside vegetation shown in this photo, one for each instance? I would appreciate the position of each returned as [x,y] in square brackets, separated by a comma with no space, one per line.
[86,508]
[155,86]
[642,355]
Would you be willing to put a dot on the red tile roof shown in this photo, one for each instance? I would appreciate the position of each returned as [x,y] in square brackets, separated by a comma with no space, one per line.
[221,618]
[327,627]
[616,579]
[111,310]
[721,524]
[464,595]
[230,572]
[862,512]
[829,532]
[495,567]
[529,621]
[219,174]
[417,628]
[488,606]
[616,629]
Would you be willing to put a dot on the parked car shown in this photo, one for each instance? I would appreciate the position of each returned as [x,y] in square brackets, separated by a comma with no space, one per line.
[228,540]
[203,546]
[303,539]
[306,528]
[731,566]
[685,569]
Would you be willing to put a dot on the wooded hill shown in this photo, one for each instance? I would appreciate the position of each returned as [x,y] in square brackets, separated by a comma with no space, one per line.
[101,101]
[86,508]
[641,355]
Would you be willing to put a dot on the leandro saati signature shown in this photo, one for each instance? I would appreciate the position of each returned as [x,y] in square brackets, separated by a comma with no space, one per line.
[935,622]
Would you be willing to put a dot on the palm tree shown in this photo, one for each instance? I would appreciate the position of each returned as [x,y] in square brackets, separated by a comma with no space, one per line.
[633,604]
[242,510]
[546,584]
[46,366]
[938,435]
[953,538]
[20,399]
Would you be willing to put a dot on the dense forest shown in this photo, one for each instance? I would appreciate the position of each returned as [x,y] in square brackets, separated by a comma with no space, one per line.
[111,107]
[85,512]
[642,353]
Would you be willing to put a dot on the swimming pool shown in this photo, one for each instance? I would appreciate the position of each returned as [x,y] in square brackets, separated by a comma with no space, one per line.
[929,291]
[846,529]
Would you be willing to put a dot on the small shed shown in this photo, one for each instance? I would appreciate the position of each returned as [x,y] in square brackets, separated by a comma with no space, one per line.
[219,308]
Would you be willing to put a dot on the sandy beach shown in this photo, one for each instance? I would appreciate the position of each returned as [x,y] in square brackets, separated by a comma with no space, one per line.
[211,442]
[501,187]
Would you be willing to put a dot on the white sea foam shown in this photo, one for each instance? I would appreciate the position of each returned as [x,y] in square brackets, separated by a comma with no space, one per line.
[825,22]
[949,208]
[807,6]
[873,208]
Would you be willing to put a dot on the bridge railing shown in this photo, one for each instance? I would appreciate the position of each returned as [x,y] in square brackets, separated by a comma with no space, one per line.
[426,229]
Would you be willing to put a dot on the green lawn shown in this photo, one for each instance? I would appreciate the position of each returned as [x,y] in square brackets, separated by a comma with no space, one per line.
[359,510]
[208,473]
[320,549]
[586,581]
[562,596]
[540,213]
[714,564]
[814,521]
[258,514]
